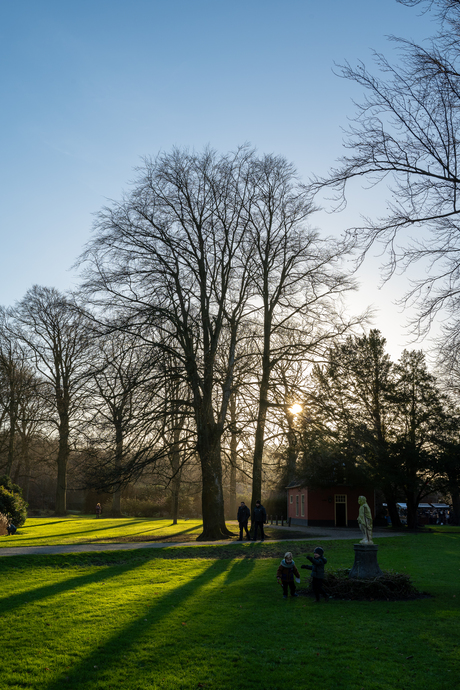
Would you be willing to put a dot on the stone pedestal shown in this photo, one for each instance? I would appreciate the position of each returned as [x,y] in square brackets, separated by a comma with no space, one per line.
[365,565]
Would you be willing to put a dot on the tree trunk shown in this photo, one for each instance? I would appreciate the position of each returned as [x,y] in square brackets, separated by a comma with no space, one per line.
[116,504]
[412,506]
[455,495]
[26,457]
[61,486]
[116,498]
[62,459]
[292,448]
[11,432]
[175,500]
[212,500]
[17,471]
[259,442]
[233,457]
[177,472]
[393,512]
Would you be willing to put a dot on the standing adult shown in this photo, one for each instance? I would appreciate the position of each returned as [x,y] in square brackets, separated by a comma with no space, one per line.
[243,517]
[259,517]
[98,510]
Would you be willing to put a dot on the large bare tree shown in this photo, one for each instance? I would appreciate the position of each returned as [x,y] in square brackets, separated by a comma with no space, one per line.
[170,259]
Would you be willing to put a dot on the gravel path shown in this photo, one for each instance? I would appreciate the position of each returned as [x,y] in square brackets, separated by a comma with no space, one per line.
[311,534]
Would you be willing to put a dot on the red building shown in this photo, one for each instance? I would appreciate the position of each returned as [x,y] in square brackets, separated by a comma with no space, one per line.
[334,506]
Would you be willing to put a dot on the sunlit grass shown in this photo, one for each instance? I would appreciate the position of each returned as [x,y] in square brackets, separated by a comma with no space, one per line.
[88,530]
[213,617]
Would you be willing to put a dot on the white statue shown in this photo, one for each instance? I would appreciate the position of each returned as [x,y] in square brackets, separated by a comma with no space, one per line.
[365,521]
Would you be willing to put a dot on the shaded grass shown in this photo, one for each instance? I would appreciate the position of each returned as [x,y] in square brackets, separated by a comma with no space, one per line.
[90,530]
[213,617]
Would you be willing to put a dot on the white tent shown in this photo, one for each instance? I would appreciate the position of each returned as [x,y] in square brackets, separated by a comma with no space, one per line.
[420,505]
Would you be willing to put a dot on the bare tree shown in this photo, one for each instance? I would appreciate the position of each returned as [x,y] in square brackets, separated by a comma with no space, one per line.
[170,258]
[11,381]
[297,282]
[119,424]
[406,134]
[18,394]
[55,337]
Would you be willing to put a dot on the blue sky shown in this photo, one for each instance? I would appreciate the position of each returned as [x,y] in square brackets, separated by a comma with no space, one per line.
[88,87]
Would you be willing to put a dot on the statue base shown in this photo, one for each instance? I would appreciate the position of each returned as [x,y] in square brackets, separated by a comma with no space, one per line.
[365,565]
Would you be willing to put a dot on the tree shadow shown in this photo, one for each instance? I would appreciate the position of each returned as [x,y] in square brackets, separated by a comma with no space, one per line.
[160,538]
[240,569]
[75,534]
[106,656]
[25,598]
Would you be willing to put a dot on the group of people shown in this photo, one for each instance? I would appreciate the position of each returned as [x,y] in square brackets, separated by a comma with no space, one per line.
[287,574]
[259,518]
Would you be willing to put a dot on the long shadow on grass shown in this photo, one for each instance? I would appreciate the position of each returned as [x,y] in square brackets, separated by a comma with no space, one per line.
[84,673]
[162,537]
[55,522]
[239,570]
[155,529]
[25,598]
[74,533]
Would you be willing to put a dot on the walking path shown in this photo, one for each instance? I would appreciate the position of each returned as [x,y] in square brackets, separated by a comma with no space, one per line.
[311,534]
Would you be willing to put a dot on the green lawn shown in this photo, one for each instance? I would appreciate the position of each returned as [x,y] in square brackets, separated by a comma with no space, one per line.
[90,530]
[213,617]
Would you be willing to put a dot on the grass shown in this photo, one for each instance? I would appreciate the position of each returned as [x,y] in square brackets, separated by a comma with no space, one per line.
[90,530]
[213,617]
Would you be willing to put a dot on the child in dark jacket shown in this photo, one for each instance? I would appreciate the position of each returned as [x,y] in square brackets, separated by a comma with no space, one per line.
[286,573]
[318,561]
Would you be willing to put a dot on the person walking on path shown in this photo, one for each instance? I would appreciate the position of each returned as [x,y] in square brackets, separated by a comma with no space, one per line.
[285,575]
[243,516]
[317,567]
[259,517]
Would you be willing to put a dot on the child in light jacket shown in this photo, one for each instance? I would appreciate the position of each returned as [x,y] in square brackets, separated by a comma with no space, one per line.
[286,573]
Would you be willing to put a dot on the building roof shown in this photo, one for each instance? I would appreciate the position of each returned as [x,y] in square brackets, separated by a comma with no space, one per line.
[293,484]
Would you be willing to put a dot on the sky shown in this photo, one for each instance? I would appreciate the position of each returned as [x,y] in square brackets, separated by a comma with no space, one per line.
[89,87]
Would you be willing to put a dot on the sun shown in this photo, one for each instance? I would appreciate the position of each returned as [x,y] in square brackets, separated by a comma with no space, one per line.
[296,408]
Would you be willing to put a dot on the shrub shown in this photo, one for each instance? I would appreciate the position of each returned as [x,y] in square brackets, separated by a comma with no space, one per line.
[13,506]
[135,507]
[390,586]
